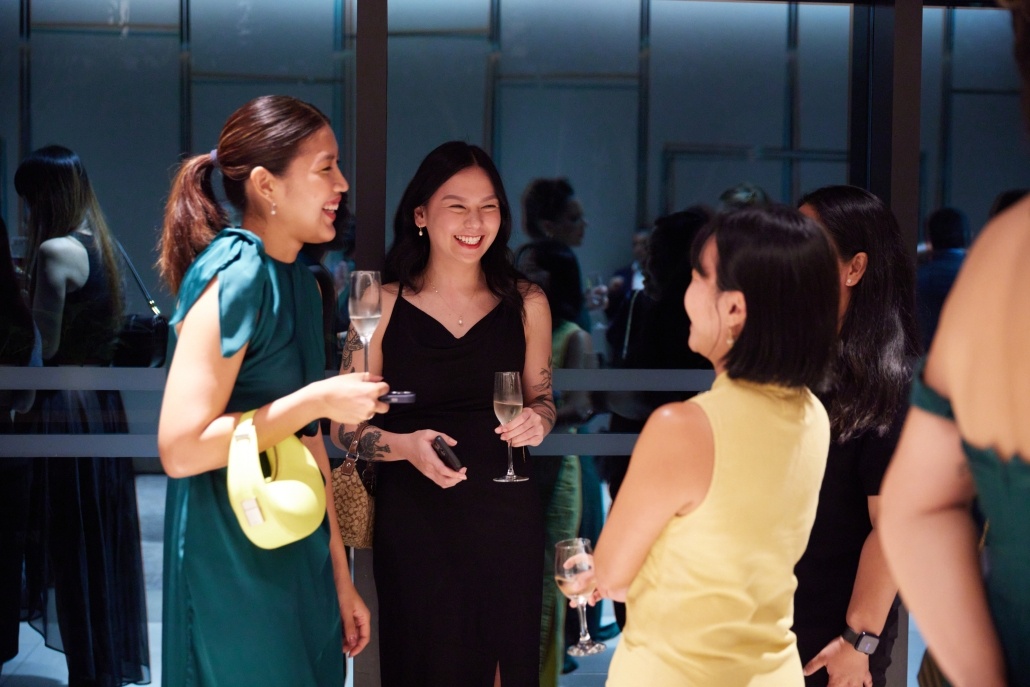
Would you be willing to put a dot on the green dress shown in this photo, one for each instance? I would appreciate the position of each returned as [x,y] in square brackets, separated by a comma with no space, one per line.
[235,614]
[1003,492]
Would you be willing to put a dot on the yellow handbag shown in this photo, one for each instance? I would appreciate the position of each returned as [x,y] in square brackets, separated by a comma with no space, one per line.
[284,507]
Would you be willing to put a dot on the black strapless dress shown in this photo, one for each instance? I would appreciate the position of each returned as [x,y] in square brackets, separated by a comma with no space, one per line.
[457,570]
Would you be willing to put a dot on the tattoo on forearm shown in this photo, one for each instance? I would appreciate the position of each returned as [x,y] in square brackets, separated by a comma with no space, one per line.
[350,345]
[544,407]
[345,438]
[544,385]
[370,446]
[543,403]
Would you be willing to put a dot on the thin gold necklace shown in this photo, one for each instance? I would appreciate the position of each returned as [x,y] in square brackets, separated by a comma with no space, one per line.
[461,315]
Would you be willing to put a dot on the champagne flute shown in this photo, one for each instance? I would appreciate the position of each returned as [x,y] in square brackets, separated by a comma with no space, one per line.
[507,405]
[366,305]
[574,573]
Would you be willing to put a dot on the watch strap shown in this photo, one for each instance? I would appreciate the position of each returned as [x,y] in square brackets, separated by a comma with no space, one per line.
[865,642]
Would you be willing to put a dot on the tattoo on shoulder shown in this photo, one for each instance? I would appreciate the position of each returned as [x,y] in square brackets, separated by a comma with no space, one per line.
[351,345]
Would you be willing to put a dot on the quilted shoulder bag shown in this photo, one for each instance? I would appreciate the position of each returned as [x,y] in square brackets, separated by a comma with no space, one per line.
[284,507]
[354,495]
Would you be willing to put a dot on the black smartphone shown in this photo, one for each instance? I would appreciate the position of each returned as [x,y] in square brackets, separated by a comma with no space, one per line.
[446,453]
[398,397]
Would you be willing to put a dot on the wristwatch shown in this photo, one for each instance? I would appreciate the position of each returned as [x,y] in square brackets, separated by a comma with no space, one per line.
[862,641]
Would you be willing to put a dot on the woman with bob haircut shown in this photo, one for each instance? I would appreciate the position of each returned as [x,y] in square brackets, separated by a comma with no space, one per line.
[845,615]
[721,491]
[457,555]
[249,321]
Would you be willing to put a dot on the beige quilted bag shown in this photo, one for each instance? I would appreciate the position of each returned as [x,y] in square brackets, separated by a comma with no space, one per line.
[354,497]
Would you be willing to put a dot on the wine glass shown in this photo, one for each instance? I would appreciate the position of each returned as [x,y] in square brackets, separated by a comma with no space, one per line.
[574,573]
[366,305]
[507,405]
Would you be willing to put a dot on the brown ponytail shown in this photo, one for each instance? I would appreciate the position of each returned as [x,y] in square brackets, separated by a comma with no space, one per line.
[192,218]
[266,132]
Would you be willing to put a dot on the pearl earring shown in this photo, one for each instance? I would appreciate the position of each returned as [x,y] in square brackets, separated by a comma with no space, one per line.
[420,231]
[730,340]
[273,207]
[848,282]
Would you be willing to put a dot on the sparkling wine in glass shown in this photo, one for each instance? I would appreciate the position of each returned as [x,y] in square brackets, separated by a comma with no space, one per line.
[507,405]
[574,573]
[365,304]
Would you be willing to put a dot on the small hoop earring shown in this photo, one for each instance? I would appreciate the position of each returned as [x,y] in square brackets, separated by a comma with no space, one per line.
[273,207]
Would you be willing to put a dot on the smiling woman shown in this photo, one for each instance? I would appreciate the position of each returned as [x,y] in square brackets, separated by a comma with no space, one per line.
[248,318]
[446,541]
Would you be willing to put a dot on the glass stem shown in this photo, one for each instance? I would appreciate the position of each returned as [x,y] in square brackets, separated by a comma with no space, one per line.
[511,466]
[365,343]
[584,635]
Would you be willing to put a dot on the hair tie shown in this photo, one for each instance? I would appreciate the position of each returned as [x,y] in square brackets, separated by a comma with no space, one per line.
[214,156]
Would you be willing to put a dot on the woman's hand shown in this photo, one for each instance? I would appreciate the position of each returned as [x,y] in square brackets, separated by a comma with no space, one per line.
[353,398]
[356,619]
[527,429]
[425,460]
[846,666]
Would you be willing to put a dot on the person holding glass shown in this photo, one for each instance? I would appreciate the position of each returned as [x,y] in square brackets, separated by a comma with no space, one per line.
[457,555]
[84,565]
[721,491]
[249,325]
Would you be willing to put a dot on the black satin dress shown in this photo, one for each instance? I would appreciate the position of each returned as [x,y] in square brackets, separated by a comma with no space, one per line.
[457,570]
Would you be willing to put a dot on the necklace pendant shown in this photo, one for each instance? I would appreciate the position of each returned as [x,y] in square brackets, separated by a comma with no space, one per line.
[461,323]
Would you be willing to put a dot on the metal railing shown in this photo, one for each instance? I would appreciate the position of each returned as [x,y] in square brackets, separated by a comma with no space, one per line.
[143,444]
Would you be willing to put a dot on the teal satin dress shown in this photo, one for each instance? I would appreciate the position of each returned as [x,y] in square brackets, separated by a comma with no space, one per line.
[235,614]
[1003,492]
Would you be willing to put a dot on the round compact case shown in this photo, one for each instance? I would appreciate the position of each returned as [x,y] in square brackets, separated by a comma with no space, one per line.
[284,507]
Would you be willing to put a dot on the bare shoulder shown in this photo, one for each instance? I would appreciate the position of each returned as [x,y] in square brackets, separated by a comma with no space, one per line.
[63,249]
[679,418]
[64,260]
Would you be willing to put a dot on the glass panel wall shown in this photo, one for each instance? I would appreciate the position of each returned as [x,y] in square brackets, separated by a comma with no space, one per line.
[973,138]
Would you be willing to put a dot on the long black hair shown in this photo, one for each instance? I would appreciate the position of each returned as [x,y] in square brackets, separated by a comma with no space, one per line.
[409,254]
[53,182]
[879,338]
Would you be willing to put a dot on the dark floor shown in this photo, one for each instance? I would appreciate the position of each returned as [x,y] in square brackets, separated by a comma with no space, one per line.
[38,666]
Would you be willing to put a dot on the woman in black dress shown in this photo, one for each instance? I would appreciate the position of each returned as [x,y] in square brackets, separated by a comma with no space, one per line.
[457,556]
[845,609]
[83,565]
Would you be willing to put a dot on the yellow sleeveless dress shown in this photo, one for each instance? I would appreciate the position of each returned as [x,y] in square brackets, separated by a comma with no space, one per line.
[713,604]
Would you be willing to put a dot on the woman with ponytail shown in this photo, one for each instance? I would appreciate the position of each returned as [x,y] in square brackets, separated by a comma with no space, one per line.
[84,566]
[248,321]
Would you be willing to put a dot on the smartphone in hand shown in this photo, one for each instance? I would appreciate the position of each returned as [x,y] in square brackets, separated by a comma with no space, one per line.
[398,397]
[446,453]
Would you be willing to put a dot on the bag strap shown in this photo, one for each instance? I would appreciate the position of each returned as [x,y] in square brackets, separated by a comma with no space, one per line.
[139,281]
[353,450]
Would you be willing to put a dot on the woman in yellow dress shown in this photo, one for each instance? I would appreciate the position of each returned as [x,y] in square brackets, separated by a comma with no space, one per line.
[721,491]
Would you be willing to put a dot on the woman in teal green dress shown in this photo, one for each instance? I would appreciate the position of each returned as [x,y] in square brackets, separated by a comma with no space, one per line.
[248,318]
[967,437]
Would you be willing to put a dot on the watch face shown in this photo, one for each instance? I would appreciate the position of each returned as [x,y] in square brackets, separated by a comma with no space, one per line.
[867,644]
